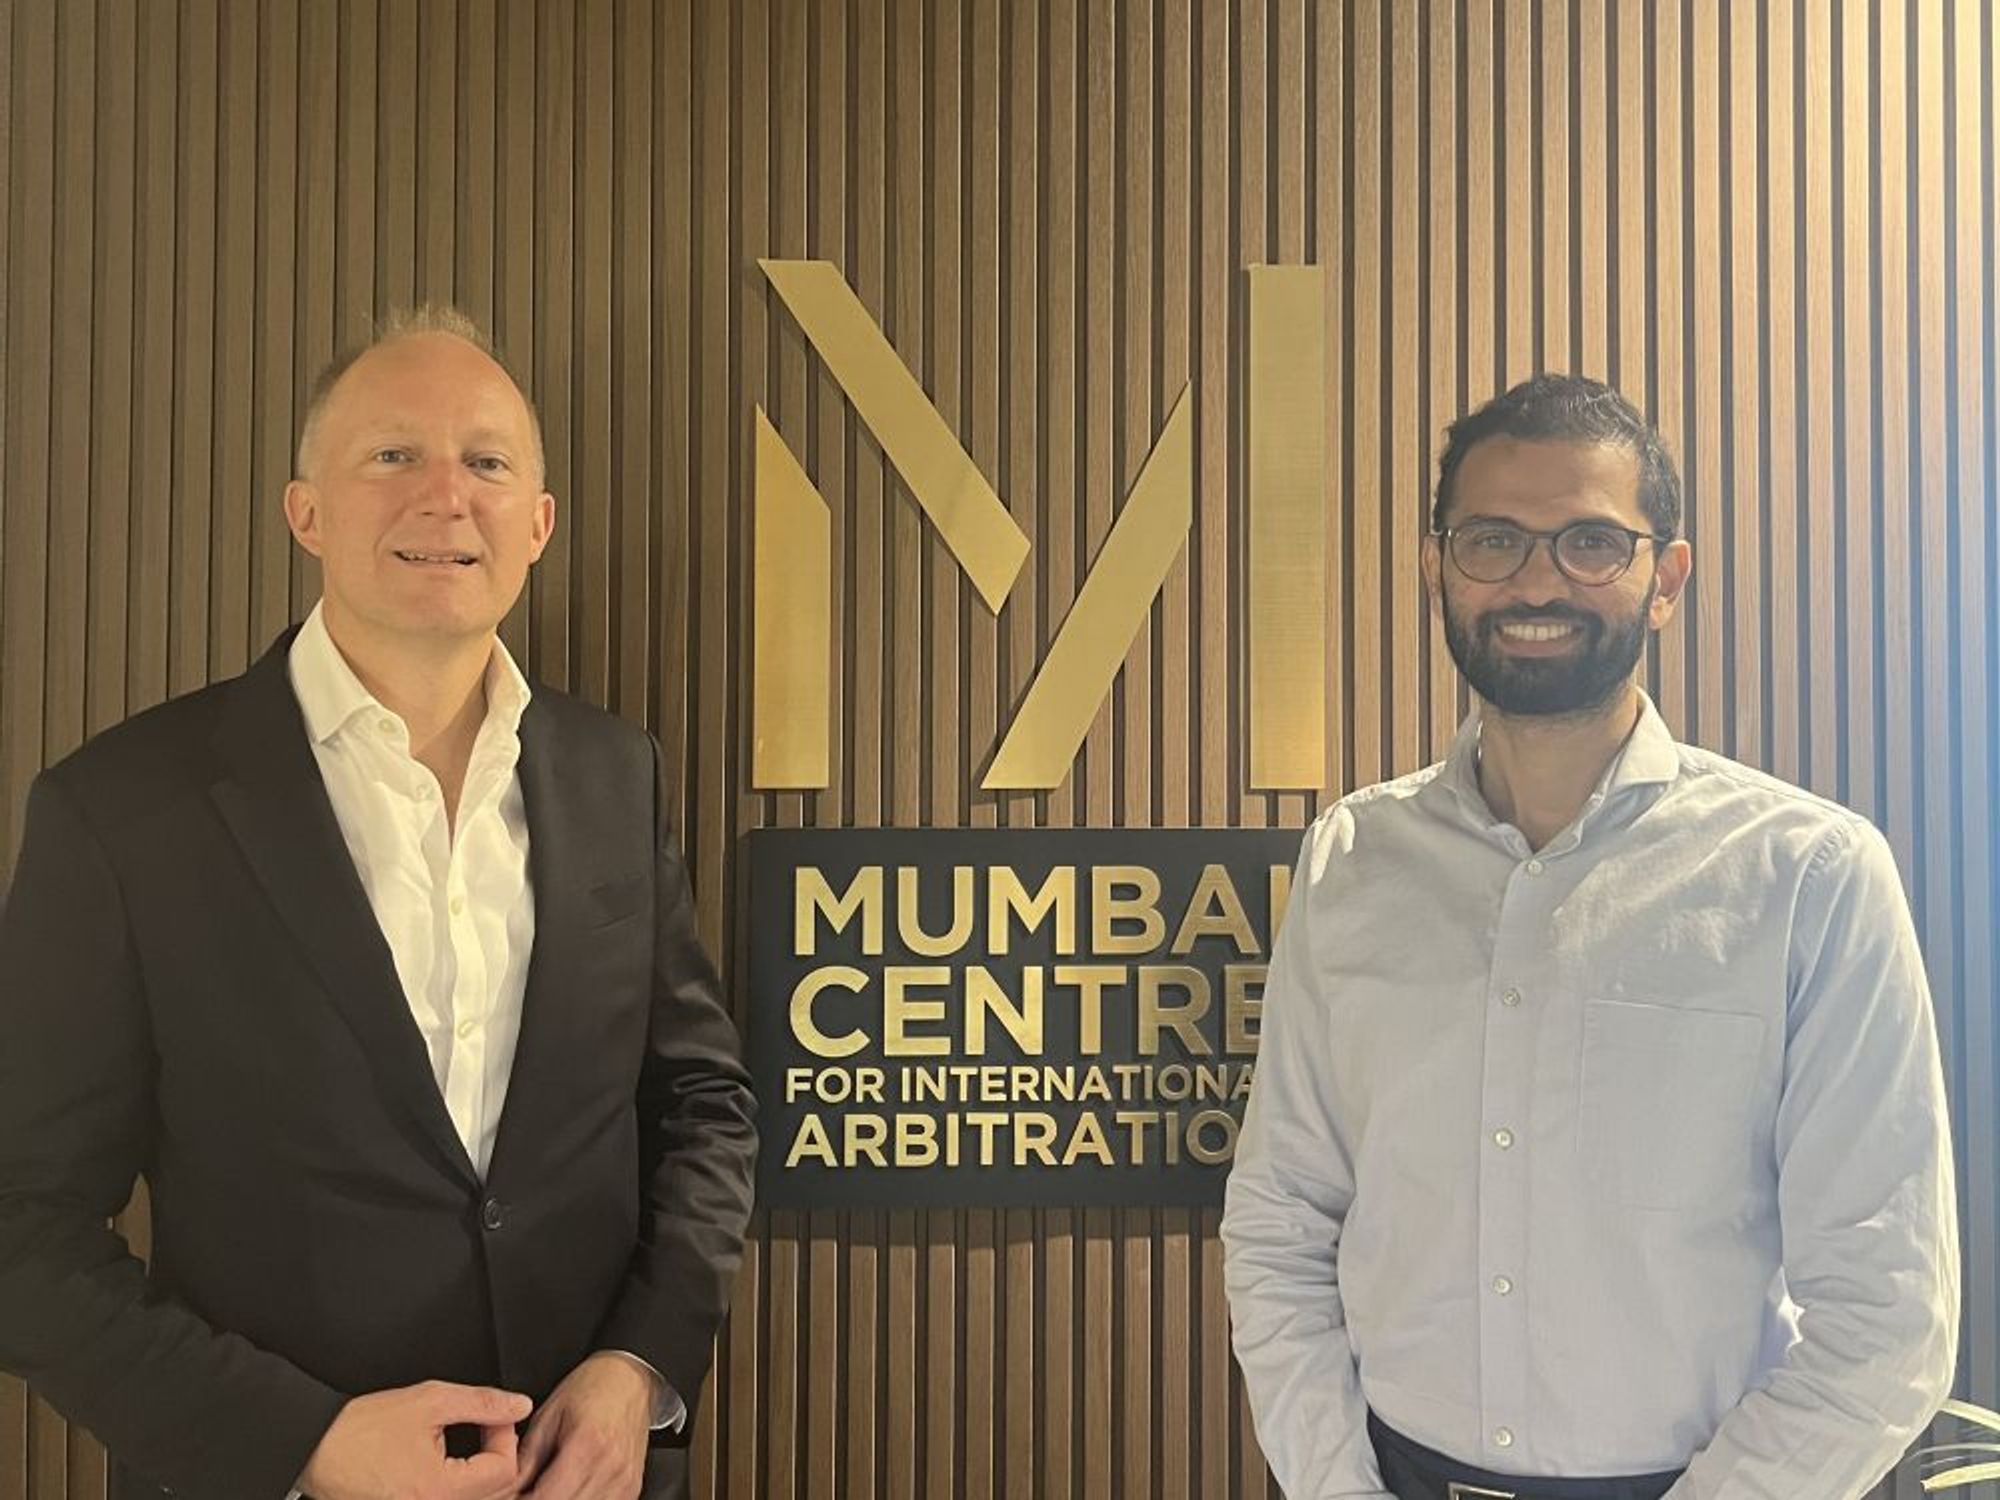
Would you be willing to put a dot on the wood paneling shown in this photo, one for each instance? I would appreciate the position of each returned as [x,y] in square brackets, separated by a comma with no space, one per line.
[1772,225]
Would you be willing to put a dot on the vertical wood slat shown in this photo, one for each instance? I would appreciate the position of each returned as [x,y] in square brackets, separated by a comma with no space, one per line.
[1405,452]
[1667,295]
[1889,490]
[1817,434]
[631,355]
[1366,472]
[275,319]
[70,455]
[1178,628]
[1745,501]
[1444,339]
[396,134]
[236,489]
[13,1401]
[114,331]
[188,646]
[1053,243]
[53,1453]
[1854,131]
[1000,190]
[515,254]
[1785,583]
[1975,201]
[25,404]
[1514,72]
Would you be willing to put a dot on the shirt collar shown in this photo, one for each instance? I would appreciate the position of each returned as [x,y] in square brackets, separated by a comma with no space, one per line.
[1648,758]
[330,695]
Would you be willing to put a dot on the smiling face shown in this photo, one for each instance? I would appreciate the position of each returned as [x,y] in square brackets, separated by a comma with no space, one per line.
[421,495]
[1539,644]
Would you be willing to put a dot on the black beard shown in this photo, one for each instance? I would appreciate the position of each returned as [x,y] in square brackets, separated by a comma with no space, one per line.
[1569,686]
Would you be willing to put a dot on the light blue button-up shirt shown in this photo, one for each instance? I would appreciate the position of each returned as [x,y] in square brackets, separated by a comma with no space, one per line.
[1622,1155]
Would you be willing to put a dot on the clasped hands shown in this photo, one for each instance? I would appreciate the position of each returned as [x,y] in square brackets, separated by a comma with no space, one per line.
[586,1442]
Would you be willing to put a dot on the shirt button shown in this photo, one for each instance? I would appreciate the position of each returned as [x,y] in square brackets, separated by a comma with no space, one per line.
[1534,868]
[1502,1285]
[457,905]
[465,1028]
[1503,1437]
[1503,1138]
[492,1213]
[1512,997]
[387,726]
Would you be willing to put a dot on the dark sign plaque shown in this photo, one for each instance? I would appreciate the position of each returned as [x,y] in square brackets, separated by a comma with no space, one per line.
[1006,1017]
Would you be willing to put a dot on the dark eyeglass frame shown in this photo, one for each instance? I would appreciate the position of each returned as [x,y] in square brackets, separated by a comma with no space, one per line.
[1659,539]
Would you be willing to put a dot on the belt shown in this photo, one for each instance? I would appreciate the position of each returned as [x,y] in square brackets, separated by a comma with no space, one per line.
[1413,1472]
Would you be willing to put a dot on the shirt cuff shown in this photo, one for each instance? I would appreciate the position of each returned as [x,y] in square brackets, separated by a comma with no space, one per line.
[669,1411]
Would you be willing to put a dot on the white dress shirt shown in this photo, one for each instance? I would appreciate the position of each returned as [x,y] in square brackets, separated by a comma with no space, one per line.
[1623,1155]
[456,906]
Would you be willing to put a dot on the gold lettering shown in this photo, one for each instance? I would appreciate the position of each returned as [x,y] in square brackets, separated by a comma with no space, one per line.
[866,1136]
[985,1122]
[1091,981]
[1136,1122]
[1034,1133]
[811,1144]
[984,997]
[1155,1016]
[1108,908]
[813,896]
[1088,1139]
[1241,1010]
[1208,1155]
[1058,1083]
[1007,900]
[916,1141]
[1215,910]
[900,1008]
[909,922]
[806,1029]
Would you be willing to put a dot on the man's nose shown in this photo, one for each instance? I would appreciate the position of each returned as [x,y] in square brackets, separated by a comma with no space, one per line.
[445,488]
[1539,578]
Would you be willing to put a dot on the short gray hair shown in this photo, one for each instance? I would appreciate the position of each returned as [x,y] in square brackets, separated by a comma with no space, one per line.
[427,317]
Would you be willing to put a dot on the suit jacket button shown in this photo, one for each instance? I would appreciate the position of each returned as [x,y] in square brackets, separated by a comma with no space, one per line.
[492,1213]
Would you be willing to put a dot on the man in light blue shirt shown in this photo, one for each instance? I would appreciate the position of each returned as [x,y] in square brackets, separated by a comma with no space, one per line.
[1598,1146]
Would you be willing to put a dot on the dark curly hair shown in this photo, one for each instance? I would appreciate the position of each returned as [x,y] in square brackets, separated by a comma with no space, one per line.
[1568,409]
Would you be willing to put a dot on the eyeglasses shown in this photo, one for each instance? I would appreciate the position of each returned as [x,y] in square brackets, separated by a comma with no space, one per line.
[1592,553]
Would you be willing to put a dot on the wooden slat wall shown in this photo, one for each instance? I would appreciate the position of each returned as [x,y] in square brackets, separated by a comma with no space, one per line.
[1773,225]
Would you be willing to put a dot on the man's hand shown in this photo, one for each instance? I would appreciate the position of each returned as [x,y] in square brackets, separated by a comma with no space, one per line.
[390,1446]
[588,1440]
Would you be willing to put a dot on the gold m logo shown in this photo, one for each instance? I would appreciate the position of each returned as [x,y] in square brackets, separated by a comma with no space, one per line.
[792,562]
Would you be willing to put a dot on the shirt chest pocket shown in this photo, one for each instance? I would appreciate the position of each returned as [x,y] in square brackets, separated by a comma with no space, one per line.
[1666,1096]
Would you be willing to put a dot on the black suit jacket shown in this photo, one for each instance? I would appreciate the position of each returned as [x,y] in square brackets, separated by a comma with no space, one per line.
[193,987]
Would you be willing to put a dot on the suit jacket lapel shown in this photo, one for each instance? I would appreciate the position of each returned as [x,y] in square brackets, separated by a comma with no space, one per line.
[558,865]
[275,805]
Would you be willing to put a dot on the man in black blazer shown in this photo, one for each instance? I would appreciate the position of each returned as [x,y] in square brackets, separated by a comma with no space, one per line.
[417,1169]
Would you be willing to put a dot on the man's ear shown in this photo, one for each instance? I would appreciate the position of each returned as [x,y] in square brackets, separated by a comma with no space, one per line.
[1672,572]
[1431,556]
[302,515]
[545,525]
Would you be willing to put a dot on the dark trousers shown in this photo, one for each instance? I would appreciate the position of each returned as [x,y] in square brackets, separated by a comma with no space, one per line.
[1413,1472]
